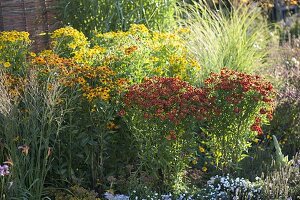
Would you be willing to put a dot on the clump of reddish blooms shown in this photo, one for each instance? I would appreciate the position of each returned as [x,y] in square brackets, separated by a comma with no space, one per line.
[224,96]
[168,99]
[237,92]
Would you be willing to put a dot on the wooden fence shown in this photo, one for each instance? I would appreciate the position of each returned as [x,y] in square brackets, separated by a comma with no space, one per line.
[38,17]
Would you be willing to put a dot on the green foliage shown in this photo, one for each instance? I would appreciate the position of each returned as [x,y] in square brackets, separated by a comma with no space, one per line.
[280,159]
[162,130]
[242,104]
[139,53]
[107,15]
[235,38]
[76,193]
[286,74]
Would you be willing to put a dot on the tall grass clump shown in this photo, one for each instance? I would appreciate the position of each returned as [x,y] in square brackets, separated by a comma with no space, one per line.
[234,37]
[31,121]
[107,15]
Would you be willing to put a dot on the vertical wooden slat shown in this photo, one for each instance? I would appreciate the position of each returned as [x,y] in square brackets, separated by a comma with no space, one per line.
[1,18]
[24,15]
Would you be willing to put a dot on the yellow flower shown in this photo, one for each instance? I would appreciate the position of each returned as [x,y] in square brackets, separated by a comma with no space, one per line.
[32,54]
[204,169]
[218,154]
[7,64]
[256,140]
[111,125]
[194,162]
[269,137]
[201,149]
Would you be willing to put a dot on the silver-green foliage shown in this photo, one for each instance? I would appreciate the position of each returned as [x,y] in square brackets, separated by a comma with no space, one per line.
[283,182]
[235,37]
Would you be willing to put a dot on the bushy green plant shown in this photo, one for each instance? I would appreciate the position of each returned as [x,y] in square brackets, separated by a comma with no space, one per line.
[161,112]
[92,92]
[107,15]
[235,38]
[242,103]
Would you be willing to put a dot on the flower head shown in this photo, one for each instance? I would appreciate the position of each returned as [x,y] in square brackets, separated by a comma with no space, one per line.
[4,170]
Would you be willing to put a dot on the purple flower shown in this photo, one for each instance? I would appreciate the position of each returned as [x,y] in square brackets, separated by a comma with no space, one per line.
[4,170]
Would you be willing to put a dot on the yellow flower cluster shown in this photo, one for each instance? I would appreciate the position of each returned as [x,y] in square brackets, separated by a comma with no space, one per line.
[67,40]
[13,48]
[142,53]
[138,28]
[89,56]
[14,37]
[94,82]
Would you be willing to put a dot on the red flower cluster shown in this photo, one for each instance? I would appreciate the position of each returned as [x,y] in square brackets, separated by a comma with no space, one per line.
[256,126]
[236,85]
[229,93]
[235,91]
[168,99]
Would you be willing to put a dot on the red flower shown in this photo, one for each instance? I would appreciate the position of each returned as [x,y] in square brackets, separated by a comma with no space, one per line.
[257,120]
[236,110]
[121,112]
[262,111]
[269,116]
[256,128]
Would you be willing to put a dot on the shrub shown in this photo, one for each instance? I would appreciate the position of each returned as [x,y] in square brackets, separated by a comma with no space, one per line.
[92,93]
[104,15]
[242,102]
[236,38]
[160,113]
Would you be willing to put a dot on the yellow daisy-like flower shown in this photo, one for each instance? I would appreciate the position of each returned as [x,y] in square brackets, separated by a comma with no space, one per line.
[111,125]
[204,169]
[7,64]
[201,149]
